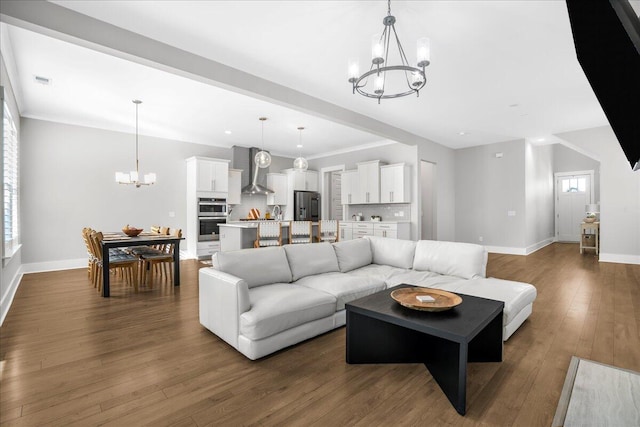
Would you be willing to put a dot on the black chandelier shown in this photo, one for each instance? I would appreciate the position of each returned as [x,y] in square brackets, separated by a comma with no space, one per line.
[380,69]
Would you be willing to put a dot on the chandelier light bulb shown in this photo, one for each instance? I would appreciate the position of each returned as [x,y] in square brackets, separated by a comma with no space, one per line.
[423,52]
[377,49]
[354,70]
[301,164]
[416,79]
[378,87]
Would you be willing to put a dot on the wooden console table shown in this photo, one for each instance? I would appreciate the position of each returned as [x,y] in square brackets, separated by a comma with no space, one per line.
[585,230]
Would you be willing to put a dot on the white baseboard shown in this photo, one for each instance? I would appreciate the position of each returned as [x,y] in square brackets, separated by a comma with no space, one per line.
[7,299]
[65,264]
[520,251]
[537,246]
[619,258]
[506,250]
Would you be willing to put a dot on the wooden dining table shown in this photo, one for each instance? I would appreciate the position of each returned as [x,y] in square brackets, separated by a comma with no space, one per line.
[121,240]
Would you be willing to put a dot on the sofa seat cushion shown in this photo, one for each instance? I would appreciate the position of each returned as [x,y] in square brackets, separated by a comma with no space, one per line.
[515,295]
[256,266]
[353,254]
[425,279]
[310,259]
[344,287]
[281,306]
[464,260]
[375,271]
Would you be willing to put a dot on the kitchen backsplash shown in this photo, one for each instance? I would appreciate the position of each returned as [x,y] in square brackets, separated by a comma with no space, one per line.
[387,212]
[248,202]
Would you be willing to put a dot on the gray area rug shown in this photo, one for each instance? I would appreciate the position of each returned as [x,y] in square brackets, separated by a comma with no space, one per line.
[600,395]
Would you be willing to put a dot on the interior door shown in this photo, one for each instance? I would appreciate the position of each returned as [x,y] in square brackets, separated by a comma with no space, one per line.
[573,192]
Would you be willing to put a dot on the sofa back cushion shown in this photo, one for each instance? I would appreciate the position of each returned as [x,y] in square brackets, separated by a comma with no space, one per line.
[353,254]
[464,260]
[394,252]
[257,267]
[307,259]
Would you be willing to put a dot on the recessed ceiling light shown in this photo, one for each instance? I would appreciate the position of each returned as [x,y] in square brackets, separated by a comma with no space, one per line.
[42,80]
[463,133]
[539,139]
[228,132]
[299,146]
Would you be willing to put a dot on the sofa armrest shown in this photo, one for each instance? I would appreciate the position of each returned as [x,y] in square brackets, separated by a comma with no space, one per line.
[222,299]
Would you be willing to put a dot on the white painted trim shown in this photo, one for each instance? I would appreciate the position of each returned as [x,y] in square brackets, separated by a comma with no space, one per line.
[537,246]
[352,149]
[619,258]
[506,250]
[7,299]
[64,264]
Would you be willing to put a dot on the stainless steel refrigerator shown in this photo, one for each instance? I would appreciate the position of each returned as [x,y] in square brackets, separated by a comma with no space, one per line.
[306,206]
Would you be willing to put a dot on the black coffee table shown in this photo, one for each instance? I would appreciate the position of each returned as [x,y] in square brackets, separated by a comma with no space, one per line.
[379,330]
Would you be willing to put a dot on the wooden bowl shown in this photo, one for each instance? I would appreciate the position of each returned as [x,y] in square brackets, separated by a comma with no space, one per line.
[443,300]
[132,232]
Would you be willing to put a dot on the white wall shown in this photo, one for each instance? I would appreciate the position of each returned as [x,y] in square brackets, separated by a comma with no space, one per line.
[619,194]
[10,268]
[540,224]
[486,188]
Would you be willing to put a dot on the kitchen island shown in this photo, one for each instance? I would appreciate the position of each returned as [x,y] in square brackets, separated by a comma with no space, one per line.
[235,235]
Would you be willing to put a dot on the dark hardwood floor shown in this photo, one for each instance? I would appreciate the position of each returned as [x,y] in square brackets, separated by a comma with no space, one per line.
[71,357]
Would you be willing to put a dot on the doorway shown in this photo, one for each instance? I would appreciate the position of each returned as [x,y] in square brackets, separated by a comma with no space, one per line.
[573,191]
[331,190]
[428,200]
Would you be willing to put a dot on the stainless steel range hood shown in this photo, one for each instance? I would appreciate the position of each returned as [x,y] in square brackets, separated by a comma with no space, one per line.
[253,178]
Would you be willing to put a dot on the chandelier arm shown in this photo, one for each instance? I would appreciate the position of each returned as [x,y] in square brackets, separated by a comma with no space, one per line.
[403,57]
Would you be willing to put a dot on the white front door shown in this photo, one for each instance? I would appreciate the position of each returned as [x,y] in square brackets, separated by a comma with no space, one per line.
[573,192]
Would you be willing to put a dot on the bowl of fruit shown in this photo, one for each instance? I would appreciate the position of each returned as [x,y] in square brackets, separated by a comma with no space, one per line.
[131,231]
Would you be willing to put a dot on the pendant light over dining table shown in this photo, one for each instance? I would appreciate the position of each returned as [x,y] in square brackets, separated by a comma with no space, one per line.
[133,177]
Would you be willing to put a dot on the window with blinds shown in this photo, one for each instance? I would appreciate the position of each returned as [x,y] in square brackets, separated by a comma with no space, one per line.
[10,183]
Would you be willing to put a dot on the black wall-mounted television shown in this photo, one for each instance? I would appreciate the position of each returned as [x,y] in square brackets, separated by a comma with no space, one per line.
[606,34]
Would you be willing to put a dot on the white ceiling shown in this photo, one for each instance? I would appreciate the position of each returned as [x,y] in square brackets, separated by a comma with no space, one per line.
[501,70]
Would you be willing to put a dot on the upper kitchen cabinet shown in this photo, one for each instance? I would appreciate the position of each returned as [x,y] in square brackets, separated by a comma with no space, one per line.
[350,190]
[301,180]
[395,183]
[211,176]
[369,181]
[278,183]
[235,187]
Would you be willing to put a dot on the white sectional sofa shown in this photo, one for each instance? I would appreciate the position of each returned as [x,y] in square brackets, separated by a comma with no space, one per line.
[262,300]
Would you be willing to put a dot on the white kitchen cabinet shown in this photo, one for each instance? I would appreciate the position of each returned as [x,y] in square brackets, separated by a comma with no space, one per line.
[212,175]
[206,249]
[361,229]
[302,180]
[345,231]
[350,190]
[395,182]
[278,183]
[369,181]
[235,187]
[400,230]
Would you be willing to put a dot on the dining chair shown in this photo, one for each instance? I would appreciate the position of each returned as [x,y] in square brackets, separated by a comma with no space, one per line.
[300,232]
[328,230]
[160,261]
[118,260]
[86,233]
[269,233]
